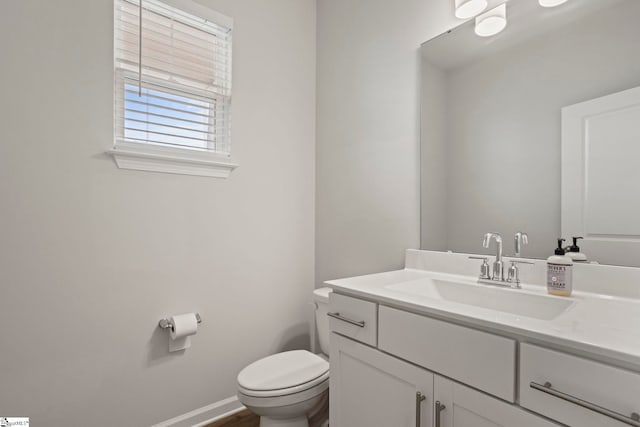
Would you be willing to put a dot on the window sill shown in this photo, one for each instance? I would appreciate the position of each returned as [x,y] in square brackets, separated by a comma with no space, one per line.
[131,155]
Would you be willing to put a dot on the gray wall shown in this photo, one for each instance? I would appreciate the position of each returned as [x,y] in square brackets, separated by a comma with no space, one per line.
[92,256]
[433,158]
[503,128]
[368,201]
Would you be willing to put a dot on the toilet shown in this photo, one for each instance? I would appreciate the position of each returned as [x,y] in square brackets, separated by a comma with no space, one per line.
[287,389]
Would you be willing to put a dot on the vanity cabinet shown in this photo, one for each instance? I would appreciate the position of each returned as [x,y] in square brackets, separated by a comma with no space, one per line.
[392,368]
[372,389]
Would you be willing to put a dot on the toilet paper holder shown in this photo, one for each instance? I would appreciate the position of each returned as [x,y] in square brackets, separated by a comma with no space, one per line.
[166,323]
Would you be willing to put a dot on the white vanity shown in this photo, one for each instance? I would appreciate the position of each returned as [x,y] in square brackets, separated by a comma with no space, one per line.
[430,346]
[531,133]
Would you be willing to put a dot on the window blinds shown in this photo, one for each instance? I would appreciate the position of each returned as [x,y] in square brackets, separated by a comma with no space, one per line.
[179,93]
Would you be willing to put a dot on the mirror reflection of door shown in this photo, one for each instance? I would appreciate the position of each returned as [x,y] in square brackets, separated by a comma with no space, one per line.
[601,176]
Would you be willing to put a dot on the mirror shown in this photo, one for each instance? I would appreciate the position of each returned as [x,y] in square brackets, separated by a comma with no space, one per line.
[508,129]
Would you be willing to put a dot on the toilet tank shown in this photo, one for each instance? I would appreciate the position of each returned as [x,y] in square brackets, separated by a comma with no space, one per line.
[321,300]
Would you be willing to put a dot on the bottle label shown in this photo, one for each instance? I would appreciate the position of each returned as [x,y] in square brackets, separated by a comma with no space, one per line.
[559,277]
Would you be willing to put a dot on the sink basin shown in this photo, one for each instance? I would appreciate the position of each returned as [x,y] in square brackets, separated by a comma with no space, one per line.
[505,300]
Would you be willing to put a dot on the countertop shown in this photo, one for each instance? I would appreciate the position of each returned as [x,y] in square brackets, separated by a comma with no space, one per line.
[601,327]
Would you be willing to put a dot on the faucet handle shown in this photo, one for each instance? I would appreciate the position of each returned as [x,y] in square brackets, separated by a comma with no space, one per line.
[487,239]
[521,262]
[513,275]
[484,268]
[520,239]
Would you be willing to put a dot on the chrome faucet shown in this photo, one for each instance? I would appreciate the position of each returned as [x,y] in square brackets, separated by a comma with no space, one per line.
[497,277]
[498,265]
[520,239]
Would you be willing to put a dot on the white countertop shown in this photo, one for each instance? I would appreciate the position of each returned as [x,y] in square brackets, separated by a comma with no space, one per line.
[598,326]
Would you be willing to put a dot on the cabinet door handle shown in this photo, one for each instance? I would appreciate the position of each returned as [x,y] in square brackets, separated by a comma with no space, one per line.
[419,399]
[633,420]
[346,319]
[439,408]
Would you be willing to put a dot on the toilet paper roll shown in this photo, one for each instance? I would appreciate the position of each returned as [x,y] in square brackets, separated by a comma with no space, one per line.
[183,326]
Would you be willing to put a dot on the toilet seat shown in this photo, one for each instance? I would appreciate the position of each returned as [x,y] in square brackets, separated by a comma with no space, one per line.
[282,401]
[284,374]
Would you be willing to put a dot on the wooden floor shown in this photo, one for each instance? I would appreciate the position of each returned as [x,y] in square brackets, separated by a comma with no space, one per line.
[240,419]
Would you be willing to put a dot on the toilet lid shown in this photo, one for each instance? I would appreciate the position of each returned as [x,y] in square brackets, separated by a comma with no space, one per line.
[283,370]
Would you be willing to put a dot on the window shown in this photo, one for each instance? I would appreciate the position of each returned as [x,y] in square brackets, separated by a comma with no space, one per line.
[172,87]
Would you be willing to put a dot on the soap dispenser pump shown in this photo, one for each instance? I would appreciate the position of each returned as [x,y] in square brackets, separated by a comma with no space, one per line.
[559,272]
[574,253]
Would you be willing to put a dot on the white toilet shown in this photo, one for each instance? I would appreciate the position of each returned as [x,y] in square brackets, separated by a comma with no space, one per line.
[285,389]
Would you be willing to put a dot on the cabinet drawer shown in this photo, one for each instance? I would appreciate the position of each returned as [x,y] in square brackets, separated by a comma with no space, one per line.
[596,386]
[354,318]
[479,359]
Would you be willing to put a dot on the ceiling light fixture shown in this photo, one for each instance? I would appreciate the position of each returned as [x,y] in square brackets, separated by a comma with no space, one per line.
[492,22]
[551,3]
[466,9]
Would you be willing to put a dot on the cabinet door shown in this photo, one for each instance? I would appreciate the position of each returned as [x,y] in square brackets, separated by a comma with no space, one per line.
[372,389]
[465,407]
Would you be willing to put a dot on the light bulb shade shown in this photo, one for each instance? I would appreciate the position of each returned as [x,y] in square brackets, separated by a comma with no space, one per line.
[466,9]
[492,22]
[551,3]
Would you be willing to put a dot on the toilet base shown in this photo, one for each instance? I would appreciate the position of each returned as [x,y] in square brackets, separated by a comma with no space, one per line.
[294,422]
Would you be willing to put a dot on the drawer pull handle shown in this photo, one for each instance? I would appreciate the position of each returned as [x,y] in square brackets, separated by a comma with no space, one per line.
[633,420]
[439,408]
[346,319]
[419,399]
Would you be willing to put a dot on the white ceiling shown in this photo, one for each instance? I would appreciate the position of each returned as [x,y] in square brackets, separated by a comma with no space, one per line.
[526,20]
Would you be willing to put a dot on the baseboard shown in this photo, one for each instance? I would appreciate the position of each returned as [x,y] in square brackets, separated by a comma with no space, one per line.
[205,415]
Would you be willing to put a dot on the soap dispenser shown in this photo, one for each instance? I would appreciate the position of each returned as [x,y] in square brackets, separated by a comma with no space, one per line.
[574,253]
[559,272]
